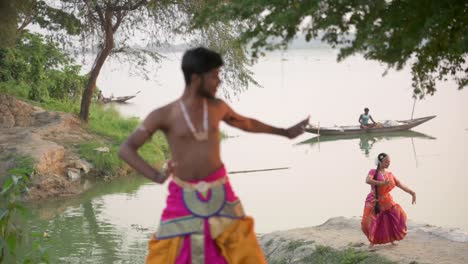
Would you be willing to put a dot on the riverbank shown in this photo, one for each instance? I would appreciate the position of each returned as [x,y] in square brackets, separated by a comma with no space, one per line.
[340,239]
[66,155]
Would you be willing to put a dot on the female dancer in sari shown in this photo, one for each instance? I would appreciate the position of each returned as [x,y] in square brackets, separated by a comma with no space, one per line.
[384,221]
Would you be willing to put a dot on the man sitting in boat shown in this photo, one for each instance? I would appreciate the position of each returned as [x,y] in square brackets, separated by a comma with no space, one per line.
[364,120]
[100,96]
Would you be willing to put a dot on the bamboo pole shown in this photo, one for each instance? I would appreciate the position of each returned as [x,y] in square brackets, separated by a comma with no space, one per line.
[414,104]
[259,170]
[414,152]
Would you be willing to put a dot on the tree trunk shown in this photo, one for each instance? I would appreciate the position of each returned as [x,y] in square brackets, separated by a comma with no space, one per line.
[91,85]
[98,63]
[8,22]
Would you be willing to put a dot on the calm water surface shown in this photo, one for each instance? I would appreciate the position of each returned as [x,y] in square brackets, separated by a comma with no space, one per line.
[112,222]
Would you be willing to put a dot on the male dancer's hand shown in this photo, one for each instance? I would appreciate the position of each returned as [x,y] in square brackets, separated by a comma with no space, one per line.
[413,195]
[168,167]
[297,129]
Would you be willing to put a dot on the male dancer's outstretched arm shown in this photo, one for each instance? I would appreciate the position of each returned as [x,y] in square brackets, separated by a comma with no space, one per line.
[252,125]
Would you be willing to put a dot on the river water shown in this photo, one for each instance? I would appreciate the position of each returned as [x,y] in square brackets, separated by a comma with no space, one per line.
[325,178]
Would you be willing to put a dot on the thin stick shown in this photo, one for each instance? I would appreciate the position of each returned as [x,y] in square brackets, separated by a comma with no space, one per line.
[249,171]
[318,134]
[318,140]
[414,104]
[414,152]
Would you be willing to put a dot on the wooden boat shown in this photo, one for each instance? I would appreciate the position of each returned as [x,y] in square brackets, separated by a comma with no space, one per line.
[120,99]
[401,125]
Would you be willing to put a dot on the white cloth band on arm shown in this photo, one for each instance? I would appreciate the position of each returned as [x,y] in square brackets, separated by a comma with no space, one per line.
[142,127]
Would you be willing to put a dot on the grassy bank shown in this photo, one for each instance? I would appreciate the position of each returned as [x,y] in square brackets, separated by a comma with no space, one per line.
[114,129]
[302,252]
[325,254]
[110,128]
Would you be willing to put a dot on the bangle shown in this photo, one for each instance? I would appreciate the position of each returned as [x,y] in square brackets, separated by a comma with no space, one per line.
[143,128]
[160,177]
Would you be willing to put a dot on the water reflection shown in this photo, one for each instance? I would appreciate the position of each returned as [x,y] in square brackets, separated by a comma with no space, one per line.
[367,141]
[54,207]
[112,222]
[83,229]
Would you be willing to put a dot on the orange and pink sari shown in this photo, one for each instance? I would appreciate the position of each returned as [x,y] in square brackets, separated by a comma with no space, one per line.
[204,222]
[390,223]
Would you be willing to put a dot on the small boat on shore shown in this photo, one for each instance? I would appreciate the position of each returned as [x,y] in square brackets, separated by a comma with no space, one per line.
[394,126]
[119,99]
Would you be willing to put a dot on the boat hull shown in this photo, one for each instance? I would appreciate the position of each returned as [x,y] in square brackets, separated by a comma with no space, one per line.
[354,130]
[122,99]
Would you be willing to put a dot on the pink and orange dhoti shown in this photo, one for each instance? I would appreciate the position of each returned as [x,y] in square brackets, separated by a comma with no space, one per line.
[204,222]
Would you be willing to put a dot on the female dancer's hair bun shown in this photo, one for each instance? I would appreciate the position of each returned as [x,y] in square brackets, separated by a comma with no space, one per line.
[379,158]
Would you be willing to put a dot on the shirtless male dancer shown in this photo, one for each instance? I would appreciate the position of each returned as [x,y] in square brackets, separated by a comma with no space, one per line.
[203,221]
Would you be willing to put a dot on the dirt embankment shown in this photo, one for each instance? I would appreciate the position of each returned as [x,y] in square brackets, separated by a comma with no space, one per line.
[423,243]
[51,139]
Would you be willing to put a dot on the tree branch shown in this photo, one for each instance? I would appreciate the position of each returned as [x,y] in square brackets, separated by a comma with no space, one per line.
[109,29]
[119,16]
[128,7]
[91,15]
[119,50]
[28,17]
[26,22]
[102,20]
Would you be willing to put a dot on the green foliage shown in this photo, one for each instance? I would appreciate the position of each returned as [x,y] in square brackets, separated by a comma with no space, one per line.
[221,36]
[48,17]
[39,64]
[161,22]
[66,84]
[16,15]
[20,90]
[104,162]
[293,245]
[12,216]
[301,251]
[8,16]
[115,129]
[328,255]
[108,122]
[269,243]
[430,35]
